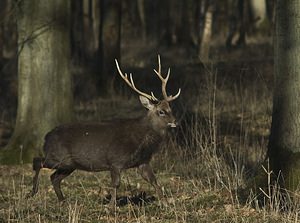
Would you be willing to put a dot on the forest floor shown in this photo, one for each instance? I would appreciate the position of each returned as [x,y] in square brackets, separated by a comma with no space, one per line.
[187,199]
[206,168]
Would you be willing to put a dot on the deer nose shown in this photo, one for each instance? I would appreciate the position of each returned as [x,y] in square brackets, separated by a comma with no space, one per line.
[172,124]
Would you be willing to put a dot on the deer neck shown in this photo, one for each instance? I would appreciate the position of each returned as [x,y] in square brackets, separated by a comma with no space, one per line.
[155,125]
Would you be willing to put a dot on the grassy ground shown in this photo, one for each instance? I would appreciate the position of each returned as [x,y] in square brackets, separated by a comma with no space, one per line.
[209,196]
[205,169]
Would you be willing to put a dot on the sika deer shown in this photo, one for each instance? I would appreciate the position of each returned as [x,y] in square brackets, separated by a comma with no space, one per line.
[109,146]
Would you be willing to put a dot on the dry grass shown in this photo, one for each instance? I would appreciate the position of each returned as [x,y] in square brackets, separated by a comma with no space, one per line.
[204,172]
[209,195]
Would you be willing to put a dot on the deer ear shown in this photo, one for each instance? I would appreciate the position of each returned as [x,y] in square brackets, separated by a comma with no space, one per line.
[146,103]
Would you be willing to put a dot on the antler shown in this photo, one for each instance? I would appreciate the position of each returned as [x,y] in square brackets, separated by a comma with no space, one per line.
[131,84]
[164,83]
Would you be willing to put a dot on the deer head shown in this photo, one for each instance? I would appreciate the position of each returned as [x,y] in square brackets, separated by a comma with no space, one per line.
[159,111]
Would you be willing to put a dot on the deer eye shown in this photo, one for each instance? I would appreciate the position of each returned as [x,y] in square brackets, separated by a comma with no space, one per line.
[161,113]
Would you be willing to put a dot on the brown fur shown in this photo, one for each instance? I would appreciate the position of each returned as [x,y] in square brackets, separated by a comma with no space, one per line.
[107,146]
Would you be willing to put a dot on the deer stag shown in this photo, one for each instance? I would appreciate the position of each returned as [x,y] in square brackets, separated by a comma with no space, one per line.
[109,146]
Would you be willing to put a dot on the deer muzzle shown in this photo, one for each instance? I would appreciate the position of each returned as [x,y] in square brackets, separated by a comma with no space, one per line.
[172,124]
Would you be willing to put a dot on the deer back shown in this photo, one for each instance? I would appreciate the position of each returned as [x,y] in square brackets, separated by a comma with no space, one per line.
[120,143]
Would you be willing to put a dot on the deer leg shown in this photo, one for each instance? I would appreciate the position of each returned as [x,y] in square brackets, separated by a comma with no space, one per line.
[37,166]
[115,183]
[56,179]
[147,174]
[35,183]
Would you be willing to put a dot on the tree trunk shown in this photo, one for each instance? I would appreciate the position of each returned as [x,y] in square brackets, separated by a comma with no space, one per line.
[154,19]
[187,23]
[88,31]
[110,31]
[204,40]
[284,144]
[44,93]
[8,23]
[142,17]
[174,22]
[2,16]
[96,24]
[77,40]
[259,11]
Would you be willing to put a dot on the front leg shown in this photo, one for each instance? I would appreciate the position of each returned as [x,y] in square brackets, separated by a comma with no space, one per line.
[147,174]
[115,183]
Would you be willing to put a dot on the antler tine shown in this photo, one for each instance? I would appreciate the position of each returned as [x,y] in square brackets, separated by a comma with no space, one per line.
[159,64]
[175,96]
[152,94]
[164,82]
[131,84]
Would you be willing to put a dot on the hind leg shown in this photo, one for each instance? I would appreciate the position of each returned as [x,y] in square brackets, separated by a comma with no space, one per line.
[35,186]
[37,166]
[56,179]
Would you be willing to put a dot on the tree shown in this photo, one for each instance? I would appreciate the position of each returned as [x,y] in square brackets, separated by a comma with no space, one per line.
[44,91]
[238,22]
[2,13]
[77,34]
[205,33]
[284,144]
[8,34]
[259,11]
[110,32]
